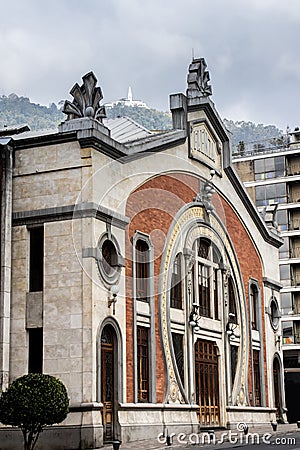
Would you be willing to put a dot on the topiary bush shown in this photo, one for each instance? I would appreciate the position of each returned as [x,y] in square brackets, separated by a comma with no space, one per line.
[31,402]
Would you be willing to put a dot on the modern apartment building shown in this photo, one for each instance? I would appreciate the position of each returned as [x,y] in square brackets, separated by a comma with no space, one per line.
[272,178]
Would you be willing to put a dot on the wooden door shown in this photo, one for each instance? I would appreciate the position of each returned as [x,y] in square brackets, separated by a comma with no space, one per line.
[207,383]
[107,382]
[277,384]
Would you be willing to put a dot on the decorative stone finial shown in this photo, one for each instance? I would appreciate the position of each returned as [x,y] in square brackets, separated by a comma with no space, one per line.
[198,79]
[86,100]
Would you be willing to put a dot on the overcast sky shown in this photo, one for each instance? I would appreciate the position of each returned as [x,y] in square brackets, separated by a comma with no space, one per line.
[251,48]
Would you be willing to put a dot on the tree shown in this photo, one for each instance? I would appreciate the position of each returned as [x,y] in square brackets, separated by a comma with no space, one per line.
[241,147]
[31,402]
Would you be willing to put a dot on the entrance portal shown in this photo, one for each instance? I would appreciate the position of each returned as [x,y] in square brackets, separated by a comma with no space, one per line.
[277,391]
[108,377]
[207,383]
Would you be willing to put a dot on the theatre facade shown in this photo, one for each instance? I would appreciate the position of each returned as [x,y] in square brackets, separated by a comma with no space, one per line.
[141,274]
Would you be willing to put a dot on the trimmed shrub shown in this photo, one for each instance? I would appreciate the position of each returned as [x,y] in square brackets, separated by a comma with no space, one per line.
[31,402]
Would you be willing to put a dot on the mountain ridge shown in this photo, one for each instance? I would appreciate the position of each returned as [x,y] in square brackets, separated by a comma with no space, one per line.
[15,110]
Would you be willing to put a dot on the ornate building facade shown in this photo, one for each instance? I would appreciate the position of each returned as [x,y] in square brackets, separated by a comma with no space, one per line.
[142,276]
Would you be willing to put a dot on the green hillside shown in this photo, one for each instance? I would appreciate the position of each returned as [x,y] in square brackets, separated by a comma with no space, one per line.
[253,135]
[16,110]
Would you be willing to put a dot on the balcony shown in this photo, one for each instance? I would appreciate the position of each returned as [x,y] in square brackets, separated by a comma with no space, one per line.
[295,252]
[295,280]
[293,166]
[294,224]
[292,339]
[294,197]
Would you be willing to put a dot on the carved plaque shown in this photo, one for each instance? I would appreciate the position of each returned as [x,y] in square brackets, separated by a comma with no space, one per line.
[204,146]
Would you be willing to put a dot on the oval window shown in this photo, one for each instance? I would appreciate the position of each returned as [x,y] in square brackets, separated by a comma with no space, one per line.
[108,261]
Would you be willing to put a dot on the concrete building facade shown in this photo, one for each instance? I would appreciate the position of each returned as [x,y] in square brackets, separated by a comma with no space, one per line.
[272,178]
[142,276]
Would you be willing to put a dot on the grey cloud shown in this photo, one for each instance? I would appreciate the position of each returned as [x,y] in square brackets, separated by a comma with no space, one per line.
[251,49]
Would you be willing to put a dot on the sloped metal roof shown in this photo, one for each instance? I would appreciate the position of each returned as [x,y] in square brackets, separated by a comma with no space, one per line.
[124,129]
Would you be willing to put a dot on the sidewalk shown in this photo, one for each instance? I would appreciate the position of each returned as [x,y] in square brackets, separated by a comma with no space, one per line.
[154,444]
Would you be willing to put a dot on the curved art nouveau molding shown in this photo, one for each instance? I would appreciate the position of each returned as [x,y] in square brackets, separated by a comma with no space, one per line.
[189,224]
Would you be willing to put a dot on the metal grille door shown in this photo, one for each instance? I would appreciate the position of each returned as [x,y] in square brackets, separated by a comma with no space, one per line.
[207,383]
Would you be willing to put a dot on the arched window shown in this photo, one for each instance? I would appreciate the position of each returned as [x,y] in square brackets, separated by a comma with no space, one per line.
[231,301]
[142,270]
[206,278]
[254,306]
[176,284]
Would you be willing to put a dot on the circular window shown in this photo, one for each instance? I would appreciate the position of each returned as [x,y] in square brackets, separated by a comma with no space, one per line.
[274,313]
[109,260]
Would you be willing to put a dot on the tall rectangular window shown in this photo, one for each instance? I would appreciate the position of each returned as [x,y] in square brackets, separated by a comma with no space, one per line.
[254,306]
[231,301]
[176,284]
[204,290]
[36,259]
[35,350]
[233,360]
[143,364]
[142,270]
[216,293]
[256,373]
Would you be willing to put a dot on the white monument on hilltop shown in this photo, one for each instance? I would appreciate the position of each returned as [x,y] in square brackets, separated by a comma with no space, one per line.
[127,101]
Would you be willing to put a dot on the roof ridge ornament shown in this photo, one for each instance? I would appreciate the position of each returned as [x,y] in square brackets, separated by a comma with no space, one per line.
[198,79]
[86,100]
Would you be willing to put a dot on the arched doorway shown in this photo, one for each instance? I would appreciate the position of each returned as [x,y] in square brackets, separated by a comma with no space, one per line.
[277,389]
[109,382]
[207,382]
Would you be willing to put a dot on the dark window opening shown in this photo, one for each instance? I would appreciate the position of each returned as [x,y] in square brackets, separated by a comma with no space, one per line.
[204,290]
[178,351]
[253,302]
[143,364]
[233,360]
[142,270]
[176,284]
[256,371]
[109,254]
[216,293]
[204,247]
[36,259]
[35,352]
[231,301]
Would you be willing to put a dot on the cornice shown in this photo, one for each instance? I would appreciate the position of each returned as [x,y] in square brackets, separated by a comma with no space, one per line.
[70,212]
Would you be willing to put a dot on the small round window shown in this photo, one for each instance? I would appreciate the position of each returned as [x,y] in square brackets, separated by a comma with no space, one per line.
[109,260]
[274,313]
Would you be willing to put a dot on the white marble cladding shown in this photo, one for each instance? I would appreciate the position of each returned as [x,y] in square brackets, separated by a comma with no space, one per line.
[63,300]
[18,337]
[48,176]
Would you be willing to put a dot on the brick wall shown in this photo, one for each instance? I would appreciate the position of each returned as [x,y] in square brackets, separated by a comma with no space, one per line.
[151,209]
